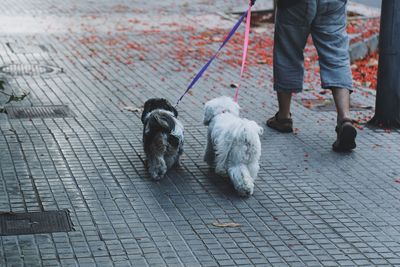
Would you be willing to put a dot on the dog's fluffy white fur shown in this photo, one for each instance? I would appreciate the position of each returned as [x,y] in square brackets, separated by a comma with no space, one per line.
[233,143]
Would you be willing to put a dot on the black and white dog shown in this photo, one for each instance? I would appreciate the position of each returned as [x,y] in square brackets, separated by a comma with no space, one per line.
[162,136]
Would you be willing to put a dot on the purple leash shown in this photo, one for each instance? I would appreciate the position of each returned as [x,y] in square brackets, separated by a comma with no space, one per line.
[212,58]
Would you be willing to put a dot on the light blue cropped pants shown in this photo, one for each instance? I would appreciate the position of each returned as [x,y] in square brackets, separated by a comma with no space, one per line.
[325,20]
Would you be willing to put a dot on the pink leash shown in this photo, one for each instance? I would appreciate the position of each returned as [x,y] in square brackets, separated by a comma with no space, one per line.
[245,48]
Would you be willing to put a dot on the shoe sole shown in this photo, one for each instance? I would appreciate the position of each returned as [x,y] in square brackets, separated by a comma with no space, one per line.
[288,130]
[347,140]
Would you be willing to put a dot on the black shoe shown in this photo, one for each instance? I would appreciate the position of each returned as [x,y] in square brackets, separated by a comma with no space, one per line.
[346,137]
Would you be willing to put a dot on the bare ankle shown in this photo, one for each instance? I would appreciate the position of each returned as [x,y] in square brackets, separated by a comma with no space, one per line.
[342,119]
[284,115]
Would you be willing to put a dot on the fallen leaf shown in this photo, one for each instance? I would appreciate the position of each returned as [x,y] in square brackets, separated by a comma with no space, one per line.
[133,109]
[16,98]
[323,92]
[372,62]
[223,225]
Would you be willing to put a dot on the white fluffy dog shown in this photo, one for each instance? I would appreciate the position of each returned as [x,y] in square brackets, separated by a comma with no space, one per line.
[233,143]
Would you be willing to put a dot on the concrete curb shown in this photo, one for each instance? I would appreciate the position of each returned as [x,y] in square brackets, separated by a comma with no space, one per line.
[363,48]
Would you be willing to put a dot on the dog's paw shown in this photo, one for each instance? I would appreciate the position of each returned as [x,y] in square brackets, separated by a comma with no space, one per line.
[210,164]
[246,190]
[157,175]
[221,171]
[178,164]
[208,160]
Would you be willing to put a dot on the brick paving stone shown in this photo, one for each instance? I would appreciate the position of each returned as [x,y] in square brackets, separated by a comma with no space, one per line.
[311,207]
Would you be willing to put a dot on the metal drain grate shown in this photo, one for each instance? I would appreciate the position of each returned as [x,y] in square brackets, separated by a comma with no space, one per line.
[28,69]
[35,222]
[60,111]
[28,48]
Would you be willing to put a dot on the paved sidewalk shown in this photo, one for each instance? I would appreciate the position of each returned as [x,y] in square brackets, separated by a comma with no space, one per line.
[311,206]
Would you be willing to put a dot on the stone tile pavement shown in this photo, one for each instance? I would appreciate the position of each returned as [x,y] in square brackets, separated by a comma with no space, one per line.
[311,206]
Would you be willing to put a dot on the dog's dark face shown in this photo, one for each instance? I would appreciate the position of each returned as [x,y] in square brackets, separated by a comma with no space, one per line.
[157,103]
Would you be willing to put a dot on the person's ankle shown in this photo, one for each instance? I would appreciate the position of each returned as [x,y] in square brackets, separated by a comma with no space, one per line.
[340,120]
[342,115]
[282,115]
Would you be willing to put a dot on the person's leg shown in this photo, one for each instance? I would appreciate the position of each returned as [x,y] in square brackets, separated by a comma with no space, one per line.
[292,29]
[282,121]
[329,34]
[284,101]
[346,132]
[331,40]
[342,101]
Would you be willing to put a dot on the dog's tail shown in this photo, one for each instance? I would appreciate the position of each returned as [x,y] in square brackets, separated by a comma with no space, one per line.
[241,179]
[160,122]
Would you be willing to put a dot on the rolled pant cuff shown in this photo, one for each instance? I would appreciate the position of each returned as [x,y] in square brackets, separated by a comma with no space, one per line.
[282,89]
[337,86]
